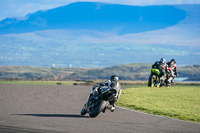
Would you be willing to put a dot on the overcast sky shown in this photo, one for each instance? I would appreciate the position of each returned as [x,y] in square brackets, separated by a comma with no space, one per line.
[20,8]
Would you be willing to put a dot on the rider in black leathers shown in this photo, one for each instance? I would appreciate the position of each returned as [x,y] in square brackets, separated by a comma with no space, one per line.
[113,83]
[162,67]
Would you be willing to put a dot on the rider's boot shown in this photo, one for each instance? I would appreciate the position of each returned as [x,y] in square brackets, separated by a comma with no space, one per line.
[157,85]
[112,106]
[112,109]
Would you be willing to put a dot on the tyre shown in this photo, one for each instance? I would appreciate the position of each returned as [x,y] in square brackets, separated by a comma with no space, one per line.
[83,111]
[99,108]
[152,81]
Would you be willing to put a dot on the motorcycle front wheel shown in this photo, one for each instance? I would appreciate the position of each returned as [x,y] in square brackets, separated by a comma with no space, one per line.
[152,81]
[96,111]
[83,111]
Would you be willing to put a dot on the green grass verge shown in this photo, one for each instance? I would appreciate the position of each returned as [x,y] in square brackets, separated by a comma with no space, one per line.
[181,101]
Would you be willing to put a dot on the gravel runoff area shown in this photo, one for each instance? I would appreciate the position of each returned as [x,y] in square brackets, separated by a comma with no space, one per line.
[56,108]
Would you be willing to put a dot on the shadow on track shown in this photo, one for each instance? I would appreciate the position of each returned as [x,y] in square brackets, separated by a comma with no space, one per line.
[55,115]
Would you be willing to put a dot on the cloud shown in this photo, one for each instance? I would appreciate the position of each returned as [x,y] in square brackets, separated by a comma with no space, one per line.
[186,32]
[20,8]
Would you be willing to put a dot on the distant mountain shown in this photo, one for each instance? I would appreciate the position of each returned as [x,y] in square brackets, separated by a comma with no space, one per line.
[136,71]
[121,19]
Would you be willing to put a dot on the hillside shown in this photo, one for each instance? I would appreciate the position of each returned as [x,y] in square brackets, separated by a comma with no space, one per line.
[136,71]
[36,73]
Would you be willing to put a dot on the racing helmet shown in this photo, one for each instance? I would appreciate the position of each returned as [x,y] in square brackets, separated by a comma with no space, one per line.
[114,78]
[162,60]
[173,60]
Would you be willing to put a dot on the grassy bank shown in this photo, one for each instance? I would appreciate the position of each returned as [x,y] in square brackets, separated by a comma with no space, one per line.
[180,101]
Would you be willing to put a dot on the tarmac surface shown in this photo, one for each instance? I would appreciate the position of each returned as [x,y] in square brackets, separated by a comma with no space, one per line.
[56,109]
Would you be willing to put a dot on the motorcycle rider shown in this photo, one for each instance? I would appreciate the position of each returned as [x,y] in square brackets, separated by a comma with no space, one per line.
[172,69]
[113,83]
[162,67]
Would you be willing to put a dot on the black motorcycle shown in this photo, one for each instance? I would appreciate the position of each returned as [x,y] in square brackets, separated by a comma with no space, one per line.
[98,101]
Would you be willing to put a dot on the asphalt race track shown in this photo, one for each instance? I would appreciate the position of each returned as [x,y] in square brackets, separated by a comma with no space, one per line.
[56,109]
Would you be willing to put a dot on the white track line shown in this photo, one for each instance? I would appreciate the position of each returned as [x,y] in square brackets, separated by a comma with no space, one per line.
[156,115]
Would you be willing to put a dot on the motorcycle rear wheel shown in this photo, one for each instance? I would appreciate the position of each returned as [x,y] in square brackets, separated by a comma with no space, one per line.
[99,108]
